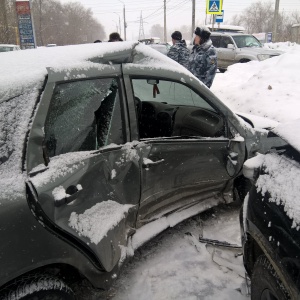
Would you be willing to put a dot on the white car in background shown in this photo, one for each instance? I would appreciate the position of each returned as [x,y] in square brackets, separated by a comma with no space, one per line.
[233,47]
[9,47]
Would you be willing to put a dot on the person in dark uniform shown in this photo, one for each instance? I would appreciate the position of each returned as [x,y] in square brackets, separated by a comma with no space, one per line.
[203,59]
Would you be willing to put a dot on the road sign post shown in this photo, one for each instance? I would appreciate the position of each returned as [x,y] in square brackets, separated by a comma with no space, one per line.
[25,24]
[220,17]
[269,37]
[214,7]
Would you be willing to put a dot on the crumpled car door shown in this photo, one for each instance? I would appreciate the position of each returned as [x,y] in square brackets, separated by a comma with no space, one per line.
[83,177]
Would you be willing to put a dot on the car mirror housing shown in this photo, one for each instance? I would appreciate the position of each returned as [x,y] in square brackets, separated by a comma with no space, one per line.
[230,46]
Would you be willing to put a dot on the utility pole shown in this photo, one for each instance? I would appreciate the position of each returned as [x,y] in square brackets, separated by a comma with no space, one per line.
[120,28]
[275,22]
[124,23]
[5,27]
[141,31]
[124,19]
[193,16]
[165,22]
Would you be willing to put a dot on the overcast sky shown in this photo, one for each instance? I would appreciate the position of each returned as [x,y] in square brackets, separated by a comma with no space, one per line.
[179,12]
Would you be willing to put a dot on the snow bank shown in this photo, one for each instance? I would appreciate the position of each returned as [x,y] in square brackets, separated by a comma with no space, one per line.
[269,88]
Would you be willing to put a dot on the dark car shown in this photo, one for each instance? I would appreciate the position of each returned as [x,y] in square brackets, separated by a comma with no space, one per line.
[270,220]
[103,146]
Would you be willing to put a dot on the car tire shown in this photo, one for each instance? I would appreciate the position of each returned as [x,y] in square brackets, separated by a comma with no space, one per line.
[38,286]
[222,70]
[265,283]
[244,60]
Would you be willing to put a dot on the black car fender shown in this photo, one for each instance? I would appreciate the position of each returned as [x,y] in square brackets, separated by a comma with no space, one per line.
[255,244]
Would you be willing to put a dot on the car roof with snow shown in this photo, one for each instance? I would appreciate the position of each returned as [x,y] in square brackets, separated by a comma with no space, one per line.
[26,70]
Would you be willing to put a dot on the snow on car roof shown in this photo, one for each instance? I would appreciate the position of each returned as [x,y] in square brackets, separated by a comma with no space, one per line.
[24,70]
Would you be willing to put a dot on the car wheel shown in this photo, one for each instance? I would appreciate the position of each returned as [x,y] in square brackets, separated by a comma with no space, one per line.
[265,283]
[244,60]
[38,286]
[222,70]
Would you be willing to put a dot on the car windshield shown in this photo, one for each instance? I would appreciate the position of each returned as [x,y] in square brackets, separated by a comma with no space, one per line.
[6,48]
[246,41]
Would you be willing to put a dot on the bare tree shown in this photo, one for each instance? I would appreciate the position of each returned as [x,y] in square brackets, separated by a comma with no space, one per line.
[237,20]
[8,24]
[60,24]
[259,16]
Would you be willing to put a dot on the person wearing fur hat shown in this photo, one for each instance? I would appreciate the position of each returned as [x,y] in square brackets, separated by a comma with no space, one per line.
[203,59]
[178,51]
[115,37]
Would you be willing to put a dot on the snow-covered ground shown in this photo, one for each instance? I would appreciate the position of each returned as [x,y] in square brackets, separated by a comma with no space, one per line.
[175,265]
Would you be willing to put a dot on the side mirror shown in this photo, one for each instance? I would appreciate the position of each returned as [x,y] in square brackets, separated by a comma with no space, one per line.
[230,46]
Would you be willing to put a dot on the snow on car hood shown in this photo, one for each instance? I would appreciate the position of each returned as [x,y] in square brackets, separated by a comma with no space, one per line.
[290,132]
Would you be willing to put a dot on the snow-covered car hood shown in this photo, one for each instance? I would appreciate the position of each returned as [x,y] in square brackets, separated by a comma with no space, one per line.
[290,132]
[258,122]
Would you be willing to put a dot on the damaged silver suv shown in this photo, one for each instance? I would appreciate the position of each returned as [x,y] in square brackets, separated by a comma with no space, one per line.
[239,48]
[103,146]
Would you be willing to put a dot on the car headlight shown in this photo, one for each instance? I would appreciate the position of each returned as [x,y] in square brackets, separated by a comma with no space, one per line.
[263,56]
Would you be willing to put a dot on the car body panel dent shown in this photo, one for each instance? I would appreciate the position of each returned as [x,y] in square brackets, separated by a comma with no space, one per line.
[170,182]
[36,247]
[112,175]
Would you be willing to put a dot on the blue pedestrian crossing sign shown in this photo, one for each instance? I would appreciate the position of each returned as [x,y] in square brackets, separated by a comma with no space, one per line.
[214,7]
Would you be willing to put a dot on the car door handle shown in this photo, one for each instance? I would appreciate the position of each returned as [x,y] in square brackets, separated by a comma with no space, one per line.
[147,163]
[73,193]
[233,157]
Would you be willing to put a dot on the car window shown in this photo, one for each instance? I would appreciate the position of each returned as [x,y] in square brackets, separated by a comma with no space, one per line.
[225,40]
[83,116]
[216,41]
[167,108]
[246,41]
[6,48]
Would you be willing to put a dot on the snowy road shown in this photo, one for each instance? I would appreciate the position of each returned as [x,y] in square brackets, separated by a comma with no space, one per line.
[174,265]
